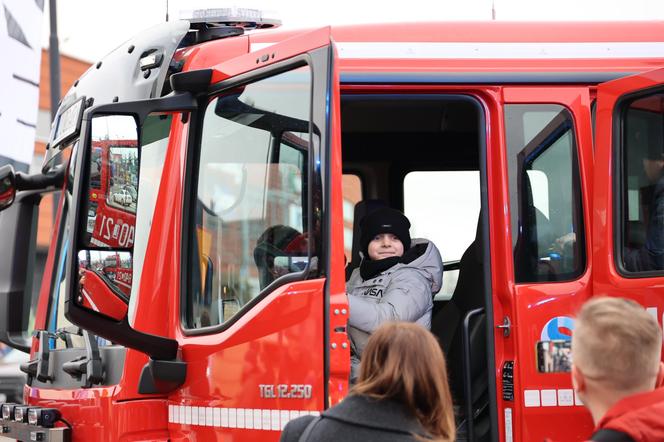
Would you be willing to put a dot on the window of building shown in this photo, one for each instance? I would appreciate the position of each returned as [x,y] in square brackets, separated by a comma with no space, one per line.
[545,193]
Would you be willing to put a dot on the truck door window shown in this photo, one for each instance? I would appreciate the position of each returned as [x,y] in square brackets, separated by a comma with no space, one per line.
[251,213]
[641,190]
[444,206]
[545,196]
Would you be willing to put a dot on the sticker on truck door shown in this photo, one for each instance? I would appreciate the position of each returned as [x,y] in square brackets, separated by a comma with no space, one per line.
[558,329]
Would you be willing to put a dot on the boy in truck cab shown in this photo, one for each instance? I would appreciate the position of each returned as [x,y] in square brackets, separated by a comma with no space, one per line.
[396,279]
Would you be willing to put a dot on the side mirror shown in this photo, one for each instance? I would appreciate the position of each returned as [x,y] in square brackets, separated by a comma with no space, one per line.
[290,264]
[118,166]
[105,249]
[7,186]
[18,225]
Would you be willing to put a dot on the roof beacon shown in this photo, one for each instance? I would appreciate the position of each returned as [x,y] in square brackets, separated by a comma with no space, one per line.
[241,17]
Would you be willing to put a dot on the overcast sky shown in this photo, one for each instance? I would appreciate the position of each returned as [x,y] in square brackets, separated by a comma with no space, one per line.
[88,29]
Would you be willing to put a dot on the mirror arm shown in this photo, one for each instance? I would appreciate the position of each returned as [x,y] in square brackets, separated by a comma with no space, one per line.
[40,367]
[44,368]
[161,376]
[40,180]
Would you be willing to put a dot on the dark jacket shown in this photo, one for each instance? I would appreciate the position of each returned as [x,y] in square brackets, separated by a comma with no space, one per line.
[639,416]
[651,255]
[358,418]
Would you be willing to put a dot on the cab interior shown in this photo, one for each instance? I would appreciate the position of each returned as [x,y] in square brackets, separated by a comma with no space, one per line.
[422,154]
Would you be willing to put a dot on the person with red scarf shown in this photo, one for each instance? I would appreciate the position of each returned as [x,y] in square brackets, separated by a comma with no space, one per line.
[617,370]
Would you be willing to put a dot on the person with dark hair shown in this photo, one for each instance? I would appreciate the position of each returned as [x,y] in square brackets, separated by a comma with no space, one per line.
[276,241]
[650,256]
[396,279]
[398,398]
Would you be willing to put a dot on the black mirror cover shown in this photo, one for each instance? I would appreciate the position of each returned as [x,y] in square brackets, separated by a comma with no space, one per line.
[19,227]
[105,312]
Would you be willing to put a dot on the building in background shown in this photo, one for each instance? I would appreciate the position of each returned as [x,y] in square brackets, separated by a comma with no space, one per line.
[20,37]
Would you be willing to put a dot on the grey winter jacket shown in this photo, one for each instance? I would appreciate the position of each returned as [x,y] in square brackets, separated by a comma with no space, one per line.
[404,292]
[358,419]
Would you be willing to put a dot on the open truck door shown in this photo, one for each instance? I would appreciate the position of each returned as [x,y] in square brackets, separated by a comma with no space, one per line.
[549,170]
[257,335]
[628,230]
[264,321]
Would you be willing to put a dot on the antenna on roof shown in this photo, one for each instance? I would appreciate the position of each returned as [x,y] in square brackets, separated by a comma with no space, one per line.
[166,10]
[493,9]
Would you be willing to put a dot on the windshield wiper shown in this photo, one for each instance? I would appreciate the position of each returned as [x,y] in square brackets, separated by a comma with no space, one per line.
[89,364]
[40,367]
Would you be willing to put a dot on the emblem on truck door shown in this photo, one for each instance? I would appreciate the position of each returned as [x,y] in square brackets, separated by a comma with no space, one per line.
[558,329]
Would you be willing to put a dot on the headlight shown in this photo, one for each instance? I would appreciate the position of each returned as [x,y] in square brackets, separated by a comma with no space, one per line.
[21,413]
[8,411]
[46,417]
[33,414]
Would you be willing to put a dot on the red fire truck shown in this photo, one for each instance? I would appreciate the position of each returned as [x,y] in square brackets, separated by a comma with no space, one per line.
[516,147]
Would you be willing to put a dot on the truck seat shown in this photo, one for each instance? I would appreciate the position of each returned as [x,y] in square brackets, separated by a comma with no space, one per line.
[447,325]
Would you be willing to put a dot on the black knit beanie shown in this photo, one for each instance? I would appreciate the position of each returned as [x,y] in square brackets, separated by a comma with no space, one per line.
[385,220]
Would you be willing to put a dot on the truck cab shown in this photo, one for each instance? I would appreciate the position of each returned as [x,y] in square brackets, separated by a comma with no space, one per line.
[255,154]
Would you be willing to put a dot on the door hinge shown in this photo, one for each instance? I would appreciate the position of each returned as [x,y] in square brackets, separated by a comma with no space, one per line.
[506,326]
